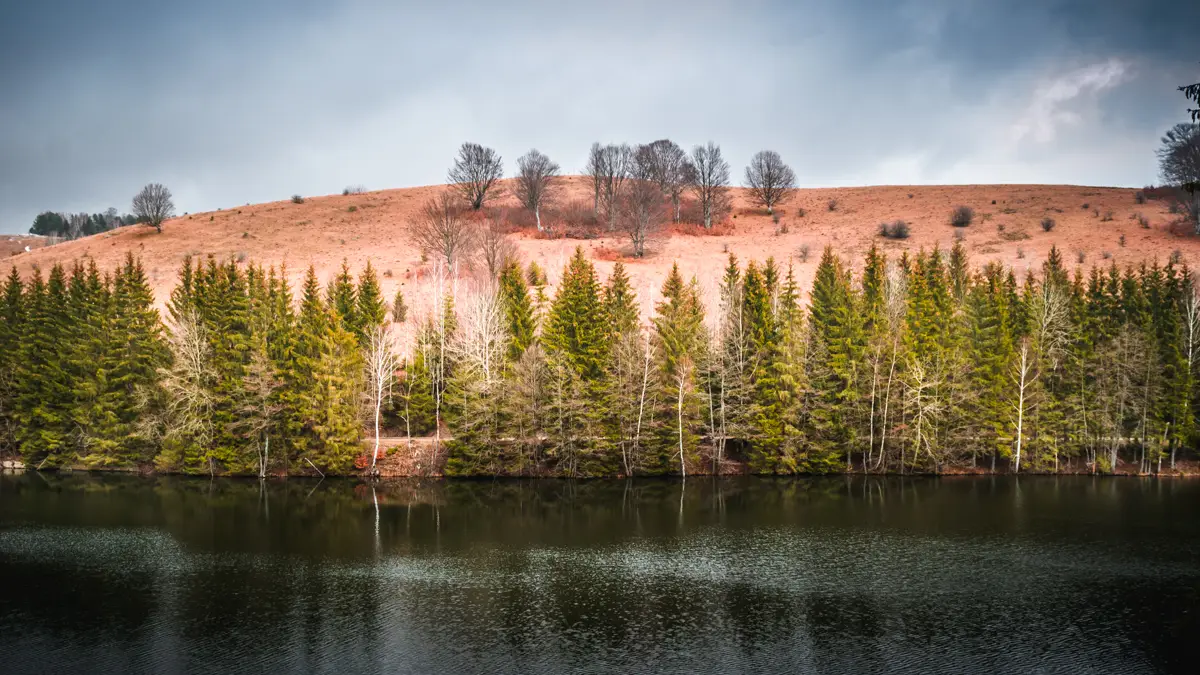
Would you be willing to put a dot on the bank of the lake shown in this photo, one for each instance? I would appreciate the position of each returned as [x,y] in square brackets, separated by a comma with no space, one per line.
[112,573]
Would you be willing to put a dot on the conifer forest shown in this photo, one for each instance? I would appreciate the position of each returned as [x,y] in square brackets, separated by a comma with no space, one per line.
[911,364]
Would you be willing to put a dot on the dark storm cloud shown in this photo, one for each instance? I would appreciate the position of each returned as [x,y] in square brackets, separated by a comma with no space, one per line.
[235,102]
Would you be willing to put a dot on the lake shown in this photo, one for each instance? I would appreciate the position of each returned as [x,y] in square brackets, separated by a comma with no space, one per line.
[833,575]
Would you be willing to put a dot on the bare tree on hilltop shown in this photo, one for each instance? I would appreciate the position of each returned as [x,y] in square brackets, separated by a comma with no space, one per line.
[537,182]
[668,166]
[441,231]
[608,166]
[153,205]
[475,172]
[642,213]
[710,182]
[769,179]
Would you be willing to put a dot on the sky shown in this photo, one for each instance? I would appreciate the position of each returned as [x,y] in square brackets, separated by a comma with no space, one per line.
[229,102]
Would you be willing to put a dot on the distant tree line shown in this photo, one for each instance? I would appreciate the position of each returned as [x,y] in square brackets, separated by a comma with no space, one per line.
[76,225]
[909,364]
[151,205]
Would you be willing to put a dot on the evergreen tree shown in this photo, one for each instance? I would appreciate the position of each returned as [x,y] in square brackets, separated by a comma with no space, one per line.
[620,302]
[342,299]
[44,394]
[12,326]
[835,342]
[682,346]
[371,310]
[518,309]
[576,338]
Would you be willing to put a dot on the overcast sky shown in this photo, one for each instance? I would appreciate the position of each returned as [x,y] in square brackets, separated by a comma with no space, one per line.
[230,102]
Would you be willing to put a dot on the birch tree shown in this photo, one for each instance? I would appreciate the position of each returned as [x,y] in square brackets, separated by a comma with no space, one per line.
[381,362]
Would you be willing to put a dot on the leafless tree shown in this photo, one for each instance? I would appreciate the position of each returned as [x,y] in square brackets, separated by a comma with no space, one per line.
[443,232]
[609,166]
[668,166]
[1024,377]
[641,213]
[153,205]
[1179,164]
[261,407]
[184,412]
[710,182]
[537,182]
[596,171]
[475,173]
[76,224]
[769,179]
[895,294]
[478,351]
[496,248]
[381,363]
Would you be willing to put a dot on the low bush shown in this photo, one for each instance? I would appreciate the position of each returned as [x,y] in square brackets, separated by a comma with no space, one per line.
[297,199]
[962,216]
[833,204]
[894,230]
[1048,224]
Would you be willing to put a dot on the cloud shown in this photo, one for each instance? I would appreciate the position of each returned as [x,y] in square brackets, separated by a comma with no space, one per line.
[1054,102]
[232,102]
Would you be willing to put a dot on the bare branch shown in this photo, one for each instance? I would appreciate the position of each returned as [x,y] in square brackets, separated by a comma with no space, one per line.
[496,248]
[441,231]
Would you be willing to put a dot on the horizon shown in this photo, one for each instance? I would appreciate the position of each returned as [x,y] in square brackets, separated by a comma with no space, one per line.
[232,104]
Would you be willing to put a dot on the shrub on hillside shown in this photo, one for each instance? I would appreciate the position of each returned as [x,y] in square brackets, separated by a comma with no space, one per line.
[894,230]
[962,216]
[297,199]
[1048,224]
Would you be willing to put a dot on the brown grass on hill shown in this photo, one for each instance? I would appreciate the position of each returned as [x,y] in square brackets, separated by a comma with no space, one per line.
[323,230]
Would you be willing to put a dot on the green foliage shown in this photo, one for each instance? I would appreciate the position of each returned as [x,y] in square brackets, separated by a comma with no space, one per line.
[518,309]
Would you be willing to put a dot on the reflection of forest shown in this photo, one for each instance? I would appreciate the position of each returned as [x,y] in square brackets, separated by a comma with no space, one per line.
[864,574]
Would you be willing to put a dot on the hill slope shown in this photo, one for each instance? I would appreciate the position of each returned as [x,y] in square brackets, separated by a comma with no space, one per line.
[323,231]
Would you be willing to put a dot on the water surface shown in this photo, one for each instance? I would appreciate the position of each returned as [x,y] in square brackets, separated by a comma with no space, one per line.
[842,575]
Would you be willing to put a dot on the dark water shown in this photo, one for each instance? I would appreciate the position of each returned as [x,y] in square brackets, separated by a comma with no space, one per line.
[1052,575]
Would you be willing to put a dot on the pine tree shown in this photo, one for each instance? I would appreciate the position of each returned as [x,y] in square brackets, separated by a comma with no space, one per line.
[779,384]
[371,310]
[44,393]
[12,326]
[342,299]
[620,302]
[835,343]
[518,309]
[576,337]
[682,347]
[576,326]
[399,307]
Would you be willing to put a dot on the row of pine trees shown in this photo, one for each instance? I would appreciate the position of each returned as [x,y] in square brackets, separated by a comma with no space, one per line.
[913,364]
